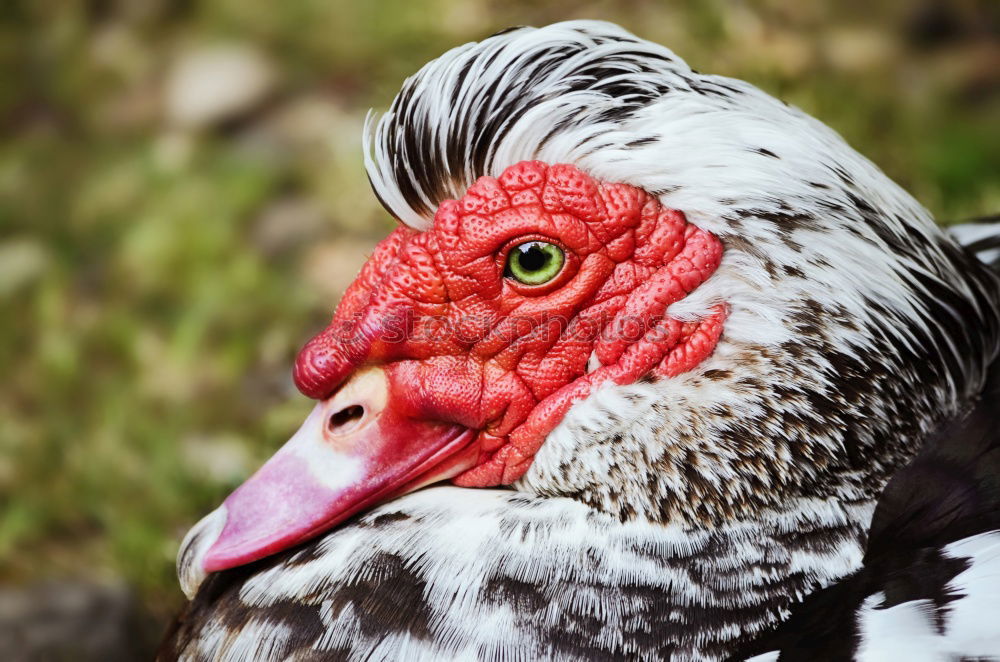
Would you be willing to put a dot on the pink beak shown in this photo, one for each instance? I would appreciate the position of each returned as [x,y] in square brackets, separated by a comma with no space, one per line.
[352,452]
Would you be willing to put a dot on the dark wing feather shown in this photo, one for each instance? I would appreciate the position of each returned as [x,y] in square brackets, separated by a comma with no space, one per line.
[950,491]
[218,603]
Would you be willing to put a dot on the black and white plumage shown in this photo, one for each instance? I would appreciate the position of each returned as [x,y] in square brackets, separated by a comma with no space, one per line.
[929,585]
[681,518]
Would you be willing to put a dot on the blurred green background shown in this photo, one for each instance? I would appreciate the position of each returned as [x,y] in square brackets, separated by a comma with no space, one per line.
[182,201]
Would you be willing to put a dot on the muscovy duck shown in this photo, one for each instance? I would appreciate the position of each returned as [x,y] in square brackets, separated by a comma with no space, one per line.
[684,332]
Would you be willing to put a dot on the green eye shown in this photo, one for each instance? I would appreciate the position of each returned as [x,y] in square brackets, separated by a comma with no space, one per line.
[534,262]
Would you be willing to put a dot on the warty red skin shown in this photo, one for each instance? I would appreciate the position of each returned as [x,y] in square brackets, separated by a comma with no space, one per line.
[461,343]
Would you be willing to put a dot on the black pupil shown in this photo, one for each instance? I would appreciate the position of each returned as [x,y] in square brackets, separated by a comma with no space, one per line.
[533,258]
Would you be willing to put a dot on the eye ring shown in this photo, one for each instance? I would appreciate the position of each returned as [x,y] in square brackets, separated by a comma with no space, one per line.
[534,262]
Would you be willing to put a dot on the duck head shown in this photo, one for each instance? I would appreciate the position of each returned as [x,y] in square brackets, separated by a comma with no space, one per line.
[459,348]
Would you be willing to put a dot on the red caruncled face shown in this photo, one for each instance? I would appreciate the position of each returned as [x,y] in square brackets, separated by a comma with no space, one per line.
[457,350]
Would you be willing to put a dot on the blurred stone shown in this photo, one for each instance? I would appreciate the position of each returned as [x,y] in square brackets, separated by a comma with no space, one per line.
[287,223]
[316,122]
[134,107]
[172,151]
[859,49]
[73,621]
[331,267]
[221,458]
[164,376]
[320,141]
[274,347]
[465,18]
[115,47]
[21,261]
[789,52]
[767,44]
[212,85]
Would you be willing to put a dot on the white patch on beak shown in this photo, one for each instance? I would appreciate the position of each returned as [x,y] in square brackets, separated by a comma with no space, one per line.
[592,363]
[190,569]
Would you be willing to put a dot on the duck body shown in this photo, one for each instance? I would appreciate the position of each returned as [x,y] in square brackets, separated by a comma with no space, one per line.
[496,574]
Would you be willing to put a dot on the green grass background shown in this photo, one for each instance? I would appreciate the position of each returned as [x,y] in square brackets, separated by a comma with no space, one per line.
[156,281]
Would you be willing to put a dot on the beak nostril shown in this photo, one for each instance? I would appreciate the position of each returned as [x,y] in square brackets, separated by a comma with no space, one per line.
[346,419]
